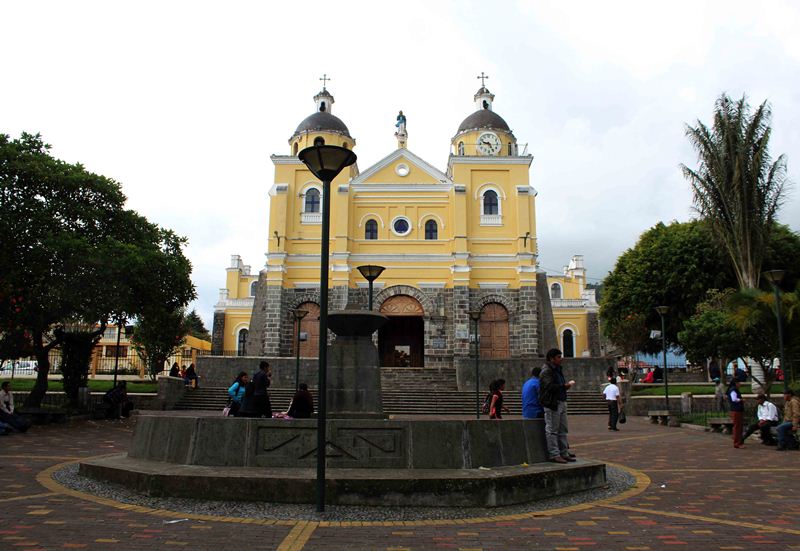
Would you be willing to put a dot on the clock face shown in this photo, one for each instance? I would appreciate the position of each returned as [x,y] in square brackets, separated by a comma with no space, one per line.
[488,144]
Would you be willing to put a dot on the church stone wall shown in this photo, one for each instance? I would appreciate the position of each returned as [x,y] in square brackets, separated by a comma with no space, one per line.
[447,327]
[218,333]
[593,330]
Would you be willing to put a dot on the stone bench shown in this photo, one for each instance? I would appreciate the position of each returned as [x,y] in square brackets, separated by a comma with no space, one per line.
[721,424]
[659,415]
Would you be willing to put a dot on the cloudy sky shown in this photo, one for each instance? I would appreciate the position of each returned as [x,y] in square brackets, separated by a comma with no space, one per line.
[183,102]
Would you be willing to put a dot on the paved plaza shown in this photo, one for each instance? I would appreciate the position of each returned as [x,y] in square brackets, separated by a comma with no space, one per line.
[693,490]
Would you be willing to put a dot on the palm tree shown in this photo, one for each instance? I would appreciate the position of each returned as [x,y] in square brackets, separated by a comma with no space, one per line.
[737,188]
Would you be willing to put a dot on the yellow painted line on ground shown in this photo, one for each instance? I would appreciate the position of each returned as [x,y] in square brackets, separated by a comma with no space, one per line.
[298,536]
[32,496]
[45,478]
[700,518]
[725,470]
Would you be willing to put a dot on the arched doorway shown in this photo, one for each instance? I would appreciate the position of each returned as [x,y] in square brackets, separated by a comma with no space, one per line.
[494,331]
[568,343]
[401,342]
[309,348]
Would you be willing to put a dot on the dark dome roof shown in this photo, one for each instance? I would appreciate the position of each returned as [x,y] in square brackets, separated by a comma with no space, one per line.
[321,121]
[483,118]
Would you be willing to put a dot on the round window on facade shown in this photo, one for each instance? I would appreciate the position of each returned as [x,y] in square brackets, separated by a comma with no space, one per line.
[402,170]
[401,226]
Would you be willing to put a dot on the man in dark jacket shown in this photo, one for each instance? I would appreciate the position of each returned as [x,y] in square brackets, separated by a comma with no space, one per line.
[553,396]
[261,381]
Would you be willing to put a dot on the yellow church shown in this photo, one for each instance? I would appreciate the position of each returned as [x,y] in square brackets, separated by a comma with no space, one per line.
[451,242]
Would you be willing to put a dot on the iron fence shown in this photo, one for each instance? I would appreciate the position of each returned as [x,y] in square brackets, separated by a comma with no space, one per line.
[127,364]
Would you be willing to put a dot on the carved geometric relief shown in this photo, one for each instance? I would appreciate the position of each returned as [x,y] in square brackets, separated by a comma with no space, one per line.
[367,444]
[278,446]
[402,305]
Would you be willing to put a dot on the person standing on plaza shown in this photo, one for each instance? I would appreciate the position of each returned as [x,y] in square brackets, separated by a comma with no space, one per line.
[496,407]
[531,408]
[236,392]
[261,381]
[553,396]
[614,402]
[766,418]
[737,411]
[791,421]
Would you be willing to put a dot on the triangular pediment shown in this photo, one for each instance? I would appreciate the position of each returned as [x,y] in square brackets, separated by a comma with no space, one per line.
[386,171]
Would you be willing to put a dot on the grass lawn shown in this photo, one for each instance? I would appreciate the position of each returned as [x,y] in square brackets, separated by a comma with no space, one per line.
[675,390]
[26,385]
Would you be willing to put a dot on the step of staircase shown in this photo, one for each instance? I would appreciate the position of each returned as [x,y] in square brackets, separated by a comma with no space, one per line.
[421,400]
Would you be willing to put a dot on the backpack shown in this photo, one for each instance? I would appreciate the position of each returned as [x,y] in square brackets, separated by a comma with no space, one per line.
[487,403]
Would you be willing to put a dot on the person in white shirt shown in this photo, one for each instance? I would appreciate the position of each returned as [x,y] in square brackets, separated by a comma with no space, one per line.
[767,417]
[614,401]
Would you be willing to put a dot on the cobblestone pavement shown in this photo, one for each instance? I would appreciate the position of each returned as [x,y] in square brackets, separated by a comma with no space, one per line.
[694,490]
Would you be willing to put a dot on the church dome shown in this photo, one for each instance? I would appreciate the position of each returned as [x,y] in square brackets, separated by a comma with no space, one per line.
[322,121]
[483,118]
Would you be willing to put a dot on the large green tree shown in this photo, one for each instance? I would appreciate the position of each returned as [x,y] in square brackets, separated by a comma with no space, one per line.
[196,326]
[158,332]
[676,265]
[737,187]
[671,265]
[70,252]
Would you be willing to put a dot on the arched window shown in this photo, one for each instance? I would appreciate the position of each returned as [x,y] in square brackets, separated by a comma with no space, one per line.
[491,204]
[253,287]
[568,343]
[312,200]
[510,149]
[241,342]
[371,230]
[555,290]
[294,149]
[319,141]
[431,230]
[460,148]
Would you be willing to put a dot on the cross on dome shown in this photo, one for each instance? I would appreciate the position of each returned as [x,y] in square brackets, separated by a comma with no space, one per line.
[325,79]
[483,78]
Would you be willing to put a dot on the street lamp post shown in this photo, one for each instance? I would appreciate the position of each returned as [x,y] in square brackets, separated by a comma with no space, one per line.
[325,162]
[775,277]
[662,311]
[371,273]
[475,316]
[298,317]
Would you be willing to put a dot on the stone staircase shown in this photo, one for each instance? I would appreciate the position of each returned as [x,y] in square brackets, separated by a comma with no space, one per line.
[406,391]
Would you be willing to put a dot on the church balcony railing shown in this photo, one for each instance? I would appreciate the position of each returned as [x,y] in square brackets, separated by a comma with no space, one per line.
[491,219]
[516,150]
[311,218]
[568,302]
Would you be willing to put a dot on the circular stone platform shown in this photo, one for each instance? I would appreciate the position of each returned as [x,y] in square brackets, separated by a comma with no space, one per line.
[369,462]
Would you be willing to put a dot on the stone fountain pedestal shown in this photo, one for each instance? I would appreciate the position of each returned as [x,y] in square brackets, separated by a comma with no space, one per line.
[354,375]
[370,460]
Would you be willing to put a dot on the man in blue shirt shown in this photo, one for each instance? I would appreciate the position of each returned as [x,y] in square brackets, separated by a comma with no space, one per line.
[531,408]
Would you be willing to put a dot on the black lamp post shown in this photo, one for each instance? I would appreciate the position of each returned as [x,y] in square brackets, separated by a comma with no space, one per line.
[371,273]
[663,311]
[475,316]
[775,277]
[298,317]
[325,162]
